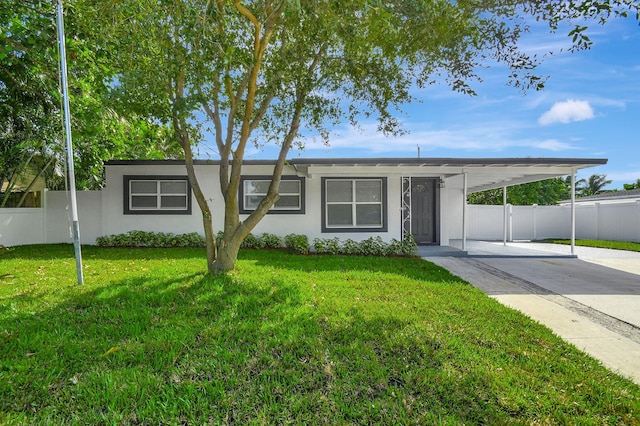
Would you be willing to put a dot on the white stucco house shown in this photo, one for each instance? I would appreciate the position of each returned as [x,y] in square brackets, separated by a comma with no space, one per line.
[346,197]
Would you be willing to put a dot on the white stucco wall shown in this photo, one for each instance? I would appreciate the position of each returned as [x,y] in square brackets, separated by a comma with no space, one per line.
[115,221]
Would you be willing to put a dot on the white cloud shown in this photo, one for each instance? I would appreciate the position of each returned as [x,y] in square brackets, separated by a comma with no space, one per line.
[555,145]
[566,112]
[496,136]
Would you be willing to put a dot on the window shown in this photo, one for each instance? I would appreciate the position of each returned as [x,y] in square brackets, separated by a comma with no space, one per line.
[157,195]
[254,188]
[354,204]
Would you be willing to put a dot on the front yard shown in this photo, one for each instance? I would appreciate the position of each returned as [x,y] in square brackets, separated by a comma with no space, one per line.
[285,338]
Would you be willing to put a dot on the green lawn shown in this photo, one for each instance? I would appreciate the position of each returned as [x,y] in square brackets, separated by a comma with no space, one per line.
[616,245]
[151,339]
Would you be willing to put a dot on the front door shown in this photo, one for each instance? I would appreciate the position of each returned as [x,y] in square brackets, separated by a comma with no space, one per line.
[423,210]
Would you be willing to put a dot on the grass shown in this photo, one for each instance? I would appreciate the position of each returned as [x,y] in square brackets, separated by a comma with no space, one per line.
[616,245]
[151,339]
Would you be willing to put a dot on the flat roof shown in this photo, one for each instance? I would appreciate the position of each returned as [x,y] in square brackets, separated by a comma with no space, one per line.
[482,173]
[575,162]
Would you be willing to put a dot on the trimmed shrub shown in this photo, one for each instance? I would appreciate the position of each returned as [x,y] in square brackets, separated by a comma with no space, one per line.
[151,239]
[372,246]
[251,242]
[270,241]
[298,243]
[409,246]
[350,247]
[326,245]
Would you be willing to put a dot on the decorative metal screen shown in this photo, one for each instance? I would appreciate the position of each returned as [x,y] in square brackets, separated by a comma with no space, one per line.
[406,206]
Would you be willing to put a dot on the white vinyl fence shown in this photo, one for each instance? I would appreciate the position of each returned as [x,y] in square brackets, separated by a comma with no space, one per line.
[51,223]
[616,222]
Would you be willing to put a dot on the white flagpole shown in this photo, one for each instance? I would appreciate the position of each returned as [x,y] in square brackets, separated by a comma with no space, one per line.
[67,129]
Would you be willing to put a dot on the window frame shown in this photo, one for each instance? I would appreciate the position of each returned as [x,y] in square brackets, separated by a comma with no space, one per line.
[159,210]
[326,228]
[273,210]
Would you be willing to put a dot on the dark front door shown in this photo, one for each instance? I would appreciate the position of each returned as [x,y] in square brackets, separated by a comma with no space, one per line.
[423,210]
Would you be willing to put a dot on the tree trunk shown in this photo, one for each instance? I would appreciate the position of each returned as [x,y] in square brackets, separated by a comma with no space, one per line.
[228,252]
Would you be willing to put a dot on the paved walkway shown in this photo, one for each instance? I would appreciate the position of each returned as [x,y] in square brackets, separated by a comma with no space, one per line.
[592,301]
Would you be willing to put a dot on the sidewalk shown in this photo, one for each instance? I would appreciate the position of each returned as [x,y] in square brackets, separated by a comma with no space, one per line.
[592,301]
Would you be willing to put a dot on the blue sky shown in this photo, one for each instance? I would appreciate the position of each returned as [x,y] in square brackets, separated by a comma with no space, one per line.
[590,108]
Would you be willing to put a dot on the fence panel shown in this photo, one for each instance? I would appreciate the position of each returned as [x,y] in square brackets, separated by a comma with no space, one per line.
[20,226]
[617,222]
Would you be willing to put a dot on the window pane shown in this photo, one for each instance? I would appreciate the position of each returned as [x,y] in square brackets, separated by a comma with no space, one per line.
[368,190]
[173,187]
[173,201]
[288,201]
[143,187]
[252,201]
[289,187]
[144,201]
[369,215]
[256,186]
[339,214]
[339,190]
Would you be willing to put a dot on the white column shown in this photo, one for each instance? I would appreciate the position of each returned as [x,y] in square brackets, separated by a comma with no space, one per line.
[504,215]
[535,220]
[573,212]
[464,212]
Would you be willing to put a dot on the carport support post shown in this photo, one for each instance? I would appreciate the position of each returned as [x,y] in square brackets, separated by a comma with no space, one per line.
[464,212]
[573,212]
[504,215]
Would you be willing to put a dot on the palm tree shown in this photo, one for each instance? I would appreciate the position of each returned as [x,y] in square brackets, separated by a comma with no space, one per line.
[592,186]
[630,186]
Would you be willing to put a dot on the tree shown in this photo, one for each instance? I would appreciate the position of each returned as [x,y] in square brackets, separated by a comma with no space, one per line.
[592,186]
[631,186]
[545,193]
[259,71]
[30,116]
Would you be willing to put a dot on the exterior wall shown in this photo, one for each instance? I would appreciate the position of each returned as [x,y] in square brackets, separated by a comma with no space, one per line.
[451,199]
[310,223]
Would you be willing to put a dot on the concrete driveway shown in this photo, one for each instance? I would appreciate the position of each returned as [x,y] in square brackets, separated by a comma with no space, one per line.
[592,300]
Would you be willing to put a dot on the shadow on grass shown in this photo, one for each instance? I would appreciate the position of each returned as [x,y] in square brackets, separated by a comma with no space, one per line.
[201,349]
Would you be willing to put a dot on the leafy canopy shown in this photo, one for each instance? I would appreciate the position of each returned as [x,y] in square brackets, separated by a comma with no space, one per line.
[276,71]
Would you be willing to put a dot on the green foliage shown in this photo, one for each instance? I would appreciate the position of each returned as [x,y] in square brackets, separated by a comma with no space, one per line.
[261,72]
[631,186]
[31,137]
[351,247]
[544,193]
[592,186]
[252,242]
[373,246]
[270,241]
[298,243]
[285,339]
[326,245]
[151,239]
